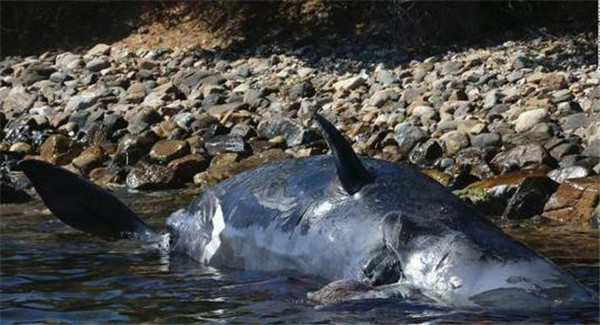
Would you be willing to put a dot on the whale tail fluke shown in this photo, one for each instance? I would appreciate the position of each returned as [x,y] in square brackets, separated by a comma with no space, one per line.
[83,205]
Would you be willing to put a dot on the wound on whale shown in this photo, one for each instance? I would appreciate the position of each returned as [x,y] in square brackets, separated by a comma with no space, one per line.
[372,228]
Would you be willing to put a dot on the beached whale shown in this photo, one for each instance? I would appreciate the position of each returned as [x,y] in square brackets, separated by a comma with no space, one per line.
[336,217]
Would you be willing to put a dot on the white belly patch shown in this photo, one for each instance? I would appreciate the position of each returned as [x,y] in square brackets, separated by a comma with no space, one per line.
[218,225]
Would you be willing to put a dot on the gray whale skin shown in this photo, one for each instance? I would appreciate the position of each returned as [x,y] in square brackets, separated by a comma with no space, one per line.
[335,217]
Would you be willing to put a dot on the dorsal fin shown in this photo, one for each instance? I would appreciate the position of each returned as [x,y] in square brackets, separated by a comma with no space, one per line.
[350,171]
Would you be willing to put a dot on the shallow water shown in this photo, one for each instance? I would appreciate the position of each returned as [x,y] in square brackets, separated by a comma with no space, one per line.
[51,273]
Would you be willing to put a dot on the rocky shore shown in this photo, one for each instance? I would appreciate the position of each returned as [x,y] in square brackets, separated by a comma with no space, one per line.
[512,128]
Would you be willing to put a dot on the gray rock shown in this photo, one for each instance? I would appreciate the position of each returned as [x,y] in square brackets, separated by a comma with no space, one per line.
[529,119]
[293,133]
[219,111]
[483,140]
[350,83]
[491,99]
[68,61]
[562,96]
[530,198]
[385,77]
[575,121]
[301,90]
[36,72]
[454,141]
[99,49]
[593,149]
[97,64]
[151,177]
[562,174]
[514,76]
[226,143]
[188,80]
[18,100]
[521,61]
[522,156]
[424,154]
[407,137]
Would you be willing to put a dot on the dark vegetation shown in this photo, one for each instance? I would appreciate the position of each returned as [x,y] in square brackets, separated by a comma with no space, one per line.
[33,27]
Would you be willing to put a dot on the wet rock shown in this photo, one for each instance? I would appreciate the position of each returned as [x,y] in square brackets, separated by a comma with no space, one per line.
[575,200]
[167,150]
[407,137]
[338,291]
[529,119]
[226,143]
[21,148]
[562,174]
[151,177]
[226,165]
[437,175]
[141,121]
[262,158]
[426,153]
[293,133]
[12,195]
[461,181]
[59,149]
[107,175]
[187,166]
[132,148]
[530,198]
[90,158]
[474,161]
[490,196]
[521,156]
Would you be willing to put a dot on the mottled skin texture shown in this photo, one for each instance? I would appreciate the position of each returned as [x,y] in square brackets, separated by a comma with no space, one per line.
[400,228]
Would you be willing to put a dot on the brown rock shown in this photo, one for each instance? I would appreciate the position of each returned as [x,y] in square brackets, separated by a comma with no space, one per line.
[89,159]
[21,148]
[554,81]
[167,150]
[511,178]
[59,149]
[135,93]
[151,177]
[574,200]
[107,175]
[437,175]
[187,166]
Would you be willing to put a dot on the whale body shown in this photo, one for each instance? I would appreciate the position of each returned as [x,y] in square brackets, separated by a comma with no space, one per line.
[335,217]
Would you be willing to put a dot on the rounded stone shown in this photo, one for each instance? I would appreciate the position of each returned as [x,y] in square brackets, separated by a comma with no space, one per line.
[167,150]
[529,119]
[59,149]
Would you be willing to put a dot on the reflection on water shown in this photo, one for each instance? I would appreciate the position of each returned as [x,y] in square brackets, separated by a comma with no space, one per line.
[52,273]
